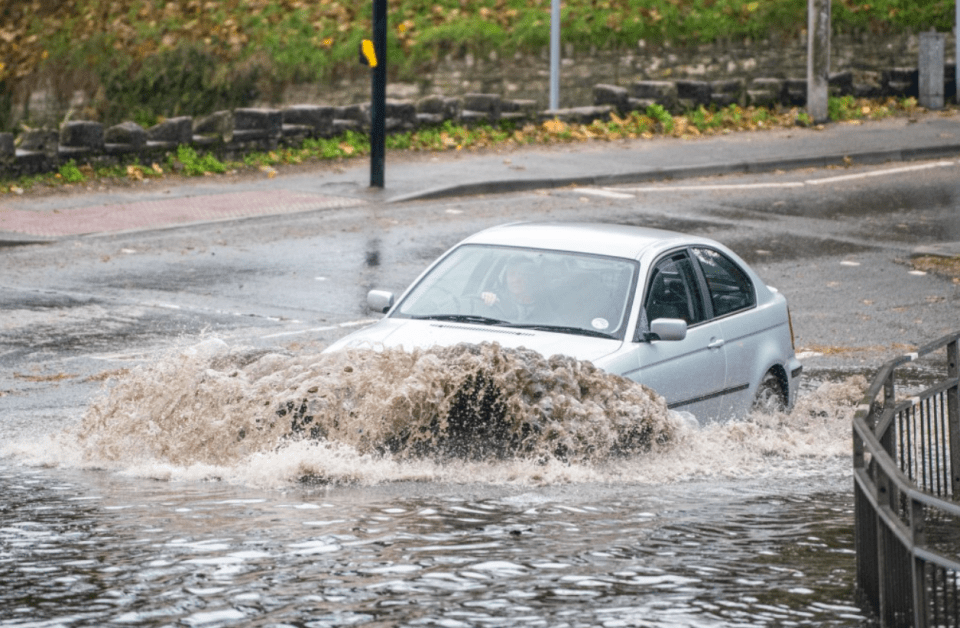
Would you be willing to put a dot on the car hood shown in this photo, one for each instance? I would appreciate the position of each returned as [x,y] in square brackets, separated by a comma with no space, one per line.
[419,334]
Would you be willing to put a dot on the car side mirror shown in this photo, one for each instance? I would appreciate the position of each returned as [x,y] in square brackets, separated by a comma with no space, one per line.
[667,329]
[380,300]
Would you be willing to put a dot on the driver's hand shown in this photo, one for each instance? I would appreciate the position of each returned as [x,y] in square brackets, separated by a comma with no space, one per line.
[489,298]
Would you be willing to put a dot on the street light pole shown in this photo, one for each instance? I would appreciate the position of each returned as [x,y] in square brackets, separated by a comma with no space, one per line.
[378,95]
[554,55]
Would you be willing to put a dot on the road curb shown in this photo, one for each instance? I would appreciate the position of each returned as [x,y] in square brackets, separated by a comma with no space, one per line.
[941,249]
[12,238]
[682,172]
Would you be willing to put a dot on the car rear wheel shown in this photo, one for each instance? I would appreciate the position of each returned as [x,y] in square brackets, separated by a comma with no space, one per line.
[770,396]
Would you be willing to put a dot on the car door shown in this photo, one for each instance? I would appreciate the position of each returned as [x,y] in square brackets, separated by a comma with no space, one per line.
[689,373]
[732,301]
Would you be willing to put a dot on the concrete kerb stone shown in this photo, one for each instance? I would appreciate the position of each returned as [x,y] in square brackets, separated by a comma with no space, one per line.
[578,115]
[437,109]
[941,249]
[663,93]
[613,95]
[726,92]
[44,141]
[82,134]
[8,150]
[481,108]
[173,131]
[218,124]
[317,117]
[127,134]
[900,82]
[680,172]
[929,152]
[766,92]
[693,94]
[10,238]
[257,128]
[840,83]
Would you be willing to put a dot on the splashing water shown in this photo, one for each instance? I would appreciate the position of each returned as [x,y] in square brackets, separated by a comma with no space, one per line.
[465,413]
[213,405]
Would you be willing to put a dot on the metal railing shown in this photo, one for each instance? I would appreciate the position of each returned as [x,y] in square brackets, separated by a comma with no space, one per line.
[906,459]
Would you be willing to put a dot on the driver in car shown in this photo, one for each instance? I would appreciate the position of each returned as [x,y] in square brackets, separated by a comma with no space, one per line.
[519,302]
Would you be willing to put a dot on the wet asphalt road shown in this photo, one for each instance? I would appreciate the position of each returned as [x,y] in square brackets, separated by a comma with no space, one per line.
[75,311]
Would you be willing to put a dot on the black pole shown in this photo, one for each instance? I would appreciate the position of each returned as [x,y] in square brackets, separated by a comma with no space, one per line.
[378,100]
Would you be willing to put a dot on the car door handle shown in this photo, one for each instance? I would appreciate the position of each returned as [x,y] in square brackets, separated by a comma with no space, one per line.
[716,343]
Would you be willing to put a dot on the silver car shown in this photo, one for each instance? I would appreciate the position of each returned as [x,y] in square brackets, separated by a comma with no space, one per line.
[680,314]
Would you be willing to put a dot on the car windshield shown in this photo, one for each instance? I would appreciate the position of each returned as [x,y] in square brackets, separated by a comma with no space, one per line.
[530,288]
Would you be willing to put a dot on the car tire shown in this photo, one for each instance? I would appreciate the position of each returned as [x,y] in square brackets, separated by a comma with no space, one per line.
[770,396]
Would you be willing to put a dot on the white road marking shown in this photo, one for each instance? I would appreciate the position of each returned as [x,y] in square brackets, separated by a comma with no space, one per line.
[346,325]
[604,192]
[365,321]
[301,331]
[113,357]
[613,192]
[731,186]
[880,173]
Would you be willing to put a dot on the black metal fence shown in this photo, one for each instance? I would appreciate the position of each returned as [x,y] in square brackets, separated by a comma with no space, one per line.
[906,458]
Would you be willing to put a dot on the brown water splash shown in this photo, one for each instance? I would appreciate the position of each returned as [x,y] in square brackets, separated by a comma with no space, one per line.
[213,405]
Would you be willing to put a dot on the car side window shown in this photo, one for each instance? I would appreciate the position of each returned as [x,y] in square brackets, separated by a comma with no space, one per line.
[672,291]
[730,288]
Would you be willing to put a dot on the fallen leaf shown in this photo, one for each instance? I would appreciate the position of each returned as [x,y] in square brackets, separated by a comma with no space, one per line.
[44,378]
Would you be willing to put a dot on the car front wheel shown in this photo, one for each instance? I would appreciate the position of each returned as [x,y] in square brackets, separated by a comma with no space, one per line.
[770,396]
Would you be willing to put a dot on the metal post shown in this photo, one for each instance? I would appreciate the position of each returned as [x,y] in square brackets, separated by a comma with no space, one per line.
[554,55]
[953,416]
[888,437]
[918,579]
[930,65]
[378,97]
[818,59]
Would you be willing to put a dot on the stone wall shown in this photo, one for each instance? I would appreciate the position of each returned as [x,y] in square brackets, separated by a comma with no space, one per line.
[230,134]
[526,77]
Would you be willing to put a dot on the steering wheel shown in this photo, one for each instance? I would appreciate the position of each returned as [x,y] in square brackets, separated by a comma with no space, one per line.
[479,307]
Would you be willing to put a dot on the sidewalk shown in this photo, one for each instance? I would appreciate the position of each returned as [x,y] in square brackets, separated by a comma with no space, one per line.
[167,203]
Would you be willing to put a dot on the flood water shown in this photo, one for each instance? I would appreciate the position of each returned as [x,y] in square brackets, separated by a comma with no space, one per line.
[139,514]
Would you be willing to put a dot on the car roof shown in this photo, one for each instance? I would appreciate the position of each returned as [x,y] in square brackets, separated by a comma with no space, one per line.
[595,238]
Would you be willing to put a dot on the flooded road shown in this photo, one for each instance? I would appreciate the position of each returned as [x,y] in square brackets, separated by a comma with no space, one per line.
[93,548]
[132,518]
[198,523]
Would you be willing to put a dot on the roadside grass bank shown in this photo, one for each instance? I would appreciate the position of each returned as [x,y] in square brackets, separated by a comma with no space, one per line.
[141,59]
[654,122]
